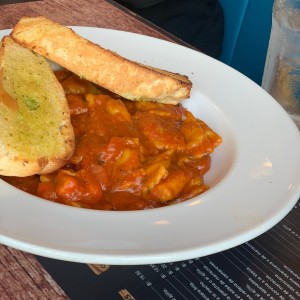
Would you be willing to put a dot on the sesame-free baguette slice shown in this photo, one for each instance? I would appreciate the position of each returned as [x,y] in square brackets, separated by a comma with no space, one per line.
[36,135]
[126,78]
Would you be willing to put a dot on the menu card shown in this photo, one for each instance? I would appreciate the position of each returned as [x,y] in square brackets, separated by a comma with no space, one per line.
[267,267]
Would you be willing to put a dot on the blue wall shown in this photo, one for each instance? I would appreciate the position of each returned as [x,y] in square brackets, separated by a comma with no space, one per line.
[246,37]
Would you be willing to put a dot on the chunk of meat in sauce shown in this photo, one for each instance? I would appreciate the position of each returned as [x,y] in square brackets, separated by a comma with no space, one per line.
[160,133]
[68,187]
[200,139]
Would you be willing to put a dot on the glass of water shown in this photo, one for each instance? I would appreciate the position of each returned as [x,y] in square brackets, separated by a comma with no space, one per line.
[282,69]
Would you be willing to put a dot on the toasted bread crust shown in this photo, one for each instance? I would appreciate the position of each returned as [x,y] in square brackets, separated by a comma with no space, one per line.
[37,136]
[124,77]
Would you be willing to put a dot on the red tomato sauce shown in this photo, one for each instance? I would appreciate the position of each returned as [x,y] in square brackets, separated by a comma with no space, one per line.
[129,155]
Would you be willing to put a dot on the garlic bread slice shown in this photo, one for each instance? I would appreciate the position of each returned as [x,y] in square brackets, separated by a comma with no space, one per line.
[36,135]
[129,79]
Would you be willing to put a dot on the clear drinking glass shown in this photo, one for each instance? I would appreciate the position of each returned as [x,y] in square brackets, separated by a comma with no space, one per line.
[282,69]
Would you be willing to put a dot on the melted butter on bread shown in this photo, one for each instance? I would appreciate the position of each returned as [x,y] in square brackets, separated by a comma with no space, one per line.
[5,98]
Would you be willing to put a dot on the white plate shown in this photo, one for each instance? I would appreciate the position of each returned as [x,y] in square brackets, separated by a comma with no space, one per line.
[255,177]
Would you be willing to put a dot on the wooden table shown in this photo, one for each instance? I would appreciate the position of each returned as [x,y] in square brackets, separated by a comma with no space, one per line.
[21,275]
